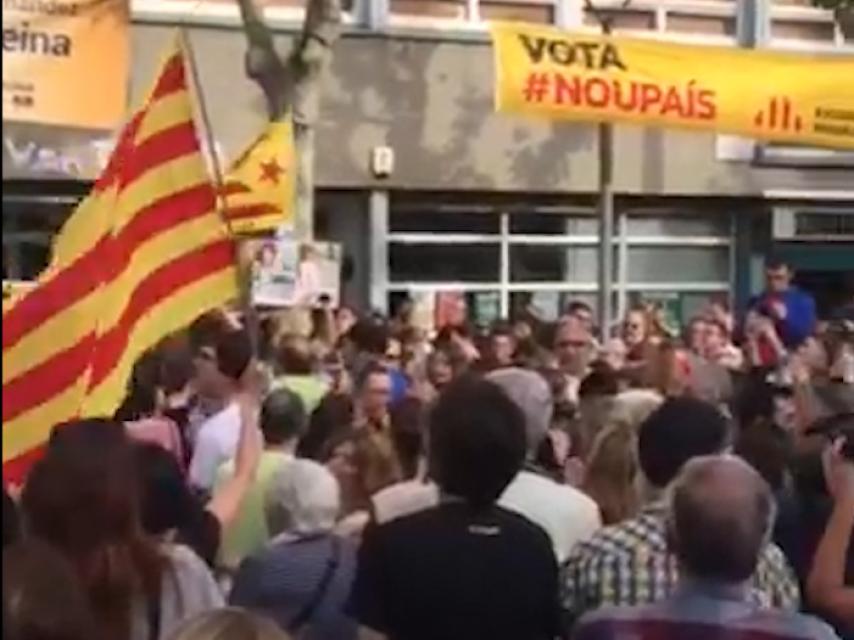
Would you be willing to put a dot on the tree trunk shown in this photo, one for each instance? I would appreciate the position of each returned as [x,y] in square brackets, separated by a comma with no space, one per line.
[845,18]
[292,83]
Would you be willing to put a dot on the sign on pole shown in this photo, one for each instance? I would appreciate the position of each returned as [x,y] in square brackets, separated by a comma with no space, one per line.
[785,97]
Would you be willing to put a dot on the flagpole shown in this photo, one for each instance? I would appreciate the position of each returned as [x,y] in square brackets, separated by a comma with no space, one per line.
[250,317]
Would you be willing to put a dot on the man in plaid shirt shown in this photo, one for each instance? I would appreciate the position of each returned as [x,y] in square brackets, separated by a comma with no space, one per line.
[719,516]
[630,563]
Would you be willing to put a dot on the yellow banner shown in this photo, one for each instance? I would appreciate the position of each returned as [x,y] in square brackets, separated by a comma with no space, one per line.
[784,97]
[65,62]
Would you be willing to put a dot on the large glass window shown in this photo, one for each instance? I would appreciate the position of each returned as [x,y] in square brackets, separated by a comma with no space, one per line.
[444,262]
[538,260]
[678,264]
[29,225]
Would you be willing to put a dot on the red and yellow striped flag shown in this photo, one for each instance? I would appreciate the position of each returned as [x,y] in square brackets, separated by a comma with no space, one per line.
[141,257]
[260,187]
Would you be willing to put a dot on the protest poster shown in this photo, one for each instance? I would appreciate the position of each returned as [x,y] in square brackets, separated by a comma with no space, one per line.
[288,273]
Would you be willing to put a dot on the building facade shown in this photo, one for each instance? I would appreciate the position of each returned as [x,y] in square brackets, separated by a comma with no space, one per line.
[500,208]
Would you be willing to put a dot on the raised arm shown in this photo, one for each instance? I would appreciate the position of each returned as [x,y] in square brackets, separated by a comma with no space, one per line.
[826,585]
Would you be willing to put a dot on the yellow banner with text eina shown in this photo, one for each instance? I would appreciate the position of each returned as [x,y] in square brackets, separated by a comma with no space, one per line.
[65,62]
[783,97]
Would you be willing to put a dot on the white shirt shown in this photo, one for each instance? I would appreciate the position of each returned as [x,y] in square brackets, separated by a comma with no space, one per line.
[403,499]
[188,590]
[566,514]
[563,512]
[216,445]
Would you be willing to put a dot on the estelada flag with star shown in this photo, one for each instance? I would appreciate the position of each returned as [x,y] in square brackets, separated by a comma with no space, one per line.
[260,187]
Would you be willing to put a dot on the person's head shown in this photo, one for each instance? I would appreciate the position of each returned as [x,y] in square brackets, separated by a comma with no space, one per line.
[696,335]
[404,311]
[233,356]
[635,328]
[370,336]
[768,449]
[602,381]
[440,370]
[583,312]
[345,319]
[176,368]
[43,598]
[477,441]
[679,430]
[294,355]
[720,517]
[363,464]
[266,255]
[573,345]
[82,498]
[502,346]
[665,368]
[221,363]
[144,395]
[716,338]
[283,418]
[530,392]
[373,389]
[523,331]
[303,498]
[230,624]
[778,275]
[611,473]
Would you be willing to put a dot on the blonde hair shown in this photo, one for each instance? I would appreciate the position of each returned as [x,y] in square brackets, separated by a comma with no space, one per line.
[230,624]
[612,471]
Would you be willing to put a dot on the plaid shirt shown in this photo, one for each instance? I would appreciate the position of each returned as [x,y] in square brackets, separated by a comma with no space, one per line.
[629,564]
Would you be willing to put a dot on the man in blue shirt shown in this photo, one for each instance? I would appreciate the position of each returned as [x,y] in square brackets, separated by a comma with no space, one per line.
[791,310]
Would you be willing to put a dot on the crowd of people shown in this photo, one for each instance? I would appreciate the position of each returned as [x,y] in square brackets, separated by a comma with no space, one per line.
[367,480]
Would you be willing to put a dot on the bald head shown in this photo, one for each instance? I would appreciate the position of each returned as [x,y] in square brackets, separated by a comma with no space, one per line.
[721,512]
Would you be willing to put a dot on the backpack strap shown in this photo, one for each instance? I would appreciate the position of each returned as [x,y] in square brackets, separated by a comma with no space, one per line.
[320,591]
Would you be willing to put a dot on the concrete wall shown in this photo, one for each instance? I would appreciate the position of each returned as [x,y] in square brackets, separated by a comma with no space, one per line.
[431,101]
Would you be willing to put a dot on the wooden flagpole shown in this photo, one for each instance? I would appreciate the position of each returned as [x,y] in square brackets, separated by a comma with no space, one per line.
[250,316]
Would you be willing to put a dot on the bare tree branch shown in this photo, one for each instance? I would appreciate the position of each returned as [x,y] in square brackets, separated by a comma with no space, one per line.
[262,62]
[601,14]
[293,84]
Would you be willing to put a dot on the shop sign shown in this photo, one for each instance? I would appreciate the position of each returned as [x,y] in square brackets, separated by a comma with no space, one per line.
[26,158]
[33,152]
[785,97]
[65,62]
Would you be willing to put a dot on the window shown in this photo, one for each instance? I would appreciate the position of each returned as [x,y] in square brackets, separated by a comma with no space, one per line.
[678,264]
[542,259]
[444,262]
[678,225]
[29,224]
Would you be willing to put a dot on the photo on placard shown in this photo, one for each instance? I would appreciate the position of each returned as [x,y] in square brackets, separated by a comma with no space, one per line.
[286,273]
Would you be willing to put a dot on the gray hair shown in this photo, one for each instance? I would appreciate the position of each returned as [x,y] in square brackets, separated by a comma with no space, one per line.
[532,394]
[720,517]
[229,624]
[303,497]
